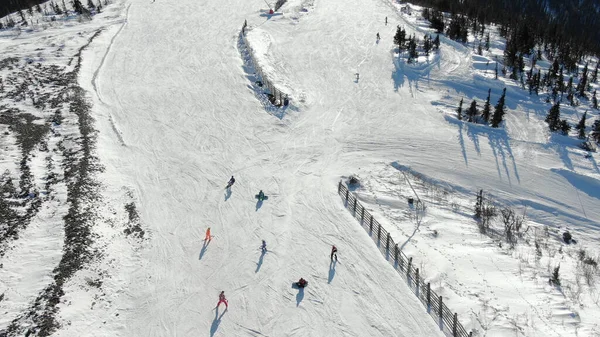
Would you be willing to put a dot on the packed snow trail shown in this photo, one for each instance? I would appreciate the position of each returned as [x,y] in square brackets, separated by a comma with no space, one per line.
[179,119]
[176,94]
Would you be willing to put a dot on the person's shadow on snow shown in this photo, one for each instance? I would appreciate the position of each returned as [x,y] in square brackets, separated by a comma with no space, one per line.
[259,204]
[260,261]
[216,322]
[300,295]
[227,194]
[204,247]
[331,271]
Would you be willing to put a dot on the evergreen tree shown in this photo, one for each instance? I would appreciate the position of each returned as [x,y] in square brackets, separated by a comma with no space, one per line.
[570,91]
[56,8]
[595,73]
[596,131]
[65,10]
[91,5]
[436,42]
[499,110]
[77,6]
[581,126]
[595,101]
[400,38]
[426,44]
[485,114]
[496,69]
[22,17]
[553,117]
[459,110]
[479,49]
[472,111]
[583,82]
[565,127]
[412,49]
[560,84]
[487,41]
[38,8]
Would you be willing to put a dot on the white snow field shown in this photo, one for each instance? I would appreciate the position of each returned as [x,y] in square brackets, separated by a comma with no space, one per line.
[178,114]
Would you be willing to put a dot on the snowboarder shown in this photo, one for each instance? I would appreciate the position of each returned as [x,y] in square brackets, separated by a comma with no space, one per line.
[333,253]
[386,20]
[207,237]
[261,195]
[222,299]
[231,182]
[302,283]
[263,247]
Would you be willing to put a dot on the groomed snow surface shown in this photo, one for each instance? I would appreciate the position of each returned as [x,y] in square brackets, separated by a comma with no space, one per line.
[178,113]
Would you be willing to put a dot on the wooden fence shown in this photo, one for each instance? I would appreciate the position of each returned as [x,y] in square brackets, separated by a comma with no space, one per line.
[276,97]
[447,321]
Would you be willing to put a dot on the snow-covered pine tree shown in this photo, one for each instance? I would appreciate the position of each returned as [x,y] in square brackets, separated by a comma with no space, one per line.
[553,117]
[400,38]
[499,110]
[581,126]
[565,127]
[485,114]
[472,111]
[583,82]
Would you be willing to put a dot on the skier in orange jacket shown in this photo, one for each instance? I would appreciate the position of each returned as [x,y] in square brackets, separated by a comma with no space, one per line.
[208,236]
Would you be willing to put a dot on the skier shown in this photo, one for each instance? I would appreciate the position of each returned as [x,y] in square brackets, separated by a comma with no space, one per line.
[231,182]
[302,283]
[222,299]
[263,247]
[333,253]
[207,237]
[261,195]
[386,20]
[378,38]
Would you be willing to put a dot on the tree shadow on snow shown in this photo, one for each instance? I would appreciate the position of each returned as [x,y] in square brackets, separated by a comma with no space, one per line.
[227,194]
[216,322]
[461,139]
[498,141]
[260,261]
[331,271]
[413,73]
[204,247]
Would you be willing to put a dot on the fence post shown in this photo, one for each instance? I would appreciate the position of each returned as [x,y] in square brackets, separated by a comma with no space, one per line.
[355,202]
[428,295]
[340,187]
[387,243]
[396,254]
[347,192]
[371,226]
[454,324]
[417,278]
[441,306]
[379,233]
[362,216]
[408,268]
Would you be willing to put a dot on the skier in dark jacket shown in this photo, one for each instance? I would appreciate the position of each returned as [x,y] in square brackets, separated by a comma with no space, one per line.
[231,182]
[333,252]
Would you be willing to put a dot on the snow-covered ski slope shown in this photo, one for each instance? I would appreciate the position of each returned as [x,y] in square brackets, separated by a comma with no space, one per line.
[177,119]
[177,116]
